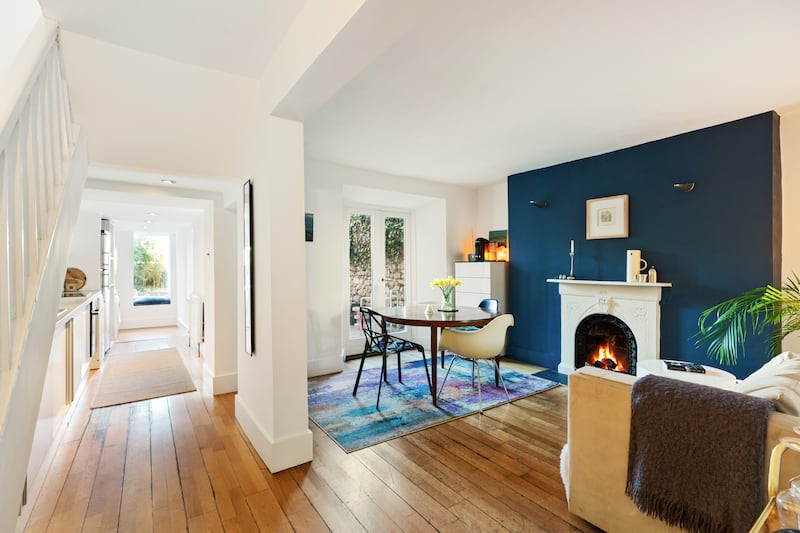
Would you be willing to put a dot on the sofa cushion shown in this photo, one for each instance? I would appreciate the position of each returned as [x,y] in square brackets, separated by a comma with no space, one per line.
[778,380]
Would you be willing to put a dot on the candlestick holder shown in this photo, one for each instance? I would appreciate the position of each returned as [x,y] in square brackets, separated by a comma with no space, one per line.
[571,266]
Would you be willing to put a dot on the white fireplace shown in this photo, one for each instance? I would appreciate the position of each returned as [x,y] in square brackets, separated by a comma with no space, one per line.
[638,305]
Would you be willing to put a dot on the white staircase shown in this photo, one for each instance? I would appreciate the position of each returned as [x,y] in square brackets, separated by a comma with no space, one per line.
[42,173]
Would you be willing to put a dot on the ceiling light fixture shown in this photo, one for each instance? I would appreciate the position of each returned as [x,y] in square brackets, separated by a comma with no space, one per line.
[152,214]
[684,187]
[168,182]
[539,203]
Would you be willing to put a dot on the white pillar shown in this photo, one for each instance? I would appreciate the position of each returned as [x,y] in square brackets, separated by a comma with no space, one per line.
[272,404]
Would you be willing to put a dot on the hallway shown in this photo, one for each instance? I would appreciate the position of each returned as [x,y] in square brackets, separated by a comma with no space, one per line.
[166,464]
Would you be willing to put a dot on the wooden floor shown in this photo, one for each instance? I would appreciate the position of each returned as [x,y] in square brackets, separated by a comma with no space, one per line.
[182,463]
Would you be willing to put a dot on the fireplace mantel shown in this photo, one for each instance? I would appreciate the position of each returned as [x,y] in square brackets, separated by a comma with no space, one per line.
[636,304]
[613,283]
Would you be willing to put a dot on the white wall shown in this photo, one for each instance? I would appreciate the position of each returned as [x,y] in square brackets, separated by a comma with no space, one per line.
[492,211]
[443,234]
[20,21]
[85,250]
[183,269]
[220,297]
[790,163]
[143,111]
[17,19]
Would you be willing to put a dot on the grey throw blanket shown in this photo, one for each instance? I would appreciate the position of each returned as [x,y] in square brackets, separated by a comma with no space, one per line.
[696,457]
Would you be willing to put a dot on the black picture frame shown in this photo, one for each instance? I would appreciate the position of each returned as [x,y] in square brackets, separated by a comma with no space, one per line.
[309,227]
[248,281]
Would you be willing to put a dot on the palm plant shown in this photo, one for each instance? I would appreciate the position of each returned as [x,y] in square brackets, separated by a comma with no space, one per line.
[724,327]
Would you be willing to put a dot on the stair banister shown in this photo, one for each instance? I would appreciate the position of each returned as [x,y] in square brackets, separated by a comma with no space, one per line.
[42,173]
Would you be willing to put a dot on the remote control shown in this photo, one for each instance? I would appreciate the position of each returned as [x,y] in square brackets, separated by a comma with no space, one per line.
[684,366]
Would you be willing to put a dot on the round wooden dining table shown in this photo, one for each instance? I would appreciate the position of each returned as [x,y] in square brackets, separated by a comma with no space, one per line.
[415,315]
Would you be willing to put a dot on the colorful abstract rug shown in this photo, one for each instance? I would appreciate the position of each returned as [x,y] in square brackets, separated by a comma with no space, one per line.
[354,423]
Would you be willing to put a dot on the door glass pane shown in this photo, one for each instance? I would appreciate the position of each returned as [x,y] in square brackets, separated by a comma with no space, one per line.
[360,269]
[395,266]
[395,279]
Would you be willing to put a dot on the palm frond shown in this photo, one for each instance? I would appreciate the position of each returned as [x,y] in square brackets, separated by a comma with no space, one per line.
[723,328]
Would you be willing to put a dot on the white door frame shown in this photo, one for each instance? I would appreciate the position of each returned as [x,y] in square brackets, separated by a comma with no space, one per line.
[378,215]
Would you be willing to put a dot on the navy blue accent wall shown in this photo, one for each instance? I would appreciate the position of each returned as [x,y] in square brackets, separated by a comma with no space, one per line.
[712,244]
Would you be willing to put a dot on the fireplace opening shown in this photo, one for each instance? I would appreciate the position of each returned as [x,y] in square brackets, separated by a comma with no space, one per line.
[606,342]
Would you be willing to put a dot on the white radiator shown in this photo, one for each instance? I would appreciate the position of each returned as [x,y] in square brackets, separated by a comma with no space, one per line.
[196,321]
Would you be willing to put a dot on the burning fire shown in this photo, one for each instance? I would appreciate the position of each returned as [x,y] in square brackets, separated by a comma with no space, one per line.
[604,358]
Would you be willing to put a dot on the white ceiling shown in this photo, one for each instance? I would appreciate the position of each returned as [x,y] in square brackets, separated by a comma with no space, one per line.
[236,37]
[144,212]
[476,90]
[481,90]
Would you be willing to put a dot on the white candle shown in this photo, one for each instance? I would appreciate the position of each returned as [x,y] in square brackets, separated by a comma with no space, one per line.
[571,246]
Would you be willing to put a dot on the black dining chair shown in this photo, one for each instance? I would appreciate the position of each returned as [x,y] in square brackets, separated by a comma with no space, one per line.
[378,341]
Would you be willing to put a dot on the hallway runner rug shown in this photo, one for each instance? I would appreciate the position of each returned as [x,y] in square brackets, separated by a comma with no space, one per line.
[134,376]
[354,423]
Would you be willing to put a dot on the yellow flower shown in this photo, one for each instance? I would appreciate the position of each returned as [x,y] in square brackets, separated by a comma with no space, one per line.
[443,283]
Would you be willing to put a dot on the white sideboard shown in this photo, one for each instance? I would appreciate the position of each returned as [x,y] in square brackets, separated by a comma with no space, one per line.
[480,280]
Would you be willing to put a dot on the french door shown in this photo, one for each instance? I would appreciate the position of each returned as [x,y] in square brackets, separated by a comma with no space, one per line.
[377,273]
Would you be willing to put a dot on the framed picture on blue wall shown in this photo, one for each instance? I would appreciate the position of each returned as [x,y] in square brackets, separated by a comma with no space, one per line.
[607,218]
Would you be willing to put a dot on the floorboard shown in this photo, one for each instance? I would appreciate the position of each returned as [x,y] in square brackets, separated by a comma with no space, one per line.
[182,463]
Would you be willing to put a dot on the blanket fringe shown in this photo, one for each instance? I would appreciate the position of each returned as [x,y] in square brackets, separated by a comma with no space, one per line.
[675,514]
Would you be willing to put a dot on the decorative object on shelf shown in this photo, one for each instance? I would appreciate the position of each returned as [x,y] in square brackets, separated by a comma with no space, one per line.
[481,248]
[607,218]
[539,203]
[74,280]
[634,265]
[448,287]
[684,187]
[724,327]
[501,238]
[652,275]
[571,259]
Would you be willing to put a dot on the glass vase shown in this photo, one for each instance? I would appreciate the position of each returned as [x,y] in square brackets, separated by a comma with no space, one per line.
[447,301]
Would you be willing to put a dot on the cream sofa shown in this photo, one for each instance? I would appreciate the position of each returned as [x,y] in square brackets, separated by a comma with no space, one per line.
[598,433]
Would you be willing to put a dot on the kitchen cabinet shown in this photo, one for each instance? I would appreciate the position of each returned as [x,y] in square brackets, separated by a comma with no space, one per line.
[481,280]
[79,325]
[67,370]
[53,406]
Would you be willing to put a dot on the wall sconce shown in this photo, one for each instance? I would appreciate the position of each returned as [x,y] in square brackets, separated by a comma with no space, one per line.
[539,203]
[684,187]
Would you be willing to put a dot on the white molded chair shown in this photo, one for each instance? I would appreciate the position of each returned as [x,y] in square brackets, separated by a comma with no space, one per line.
[482,344]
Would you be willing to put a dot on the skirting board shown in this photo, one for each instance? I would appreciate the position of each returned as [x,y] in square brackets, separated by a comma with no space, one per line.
[222,383]
[286,453]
